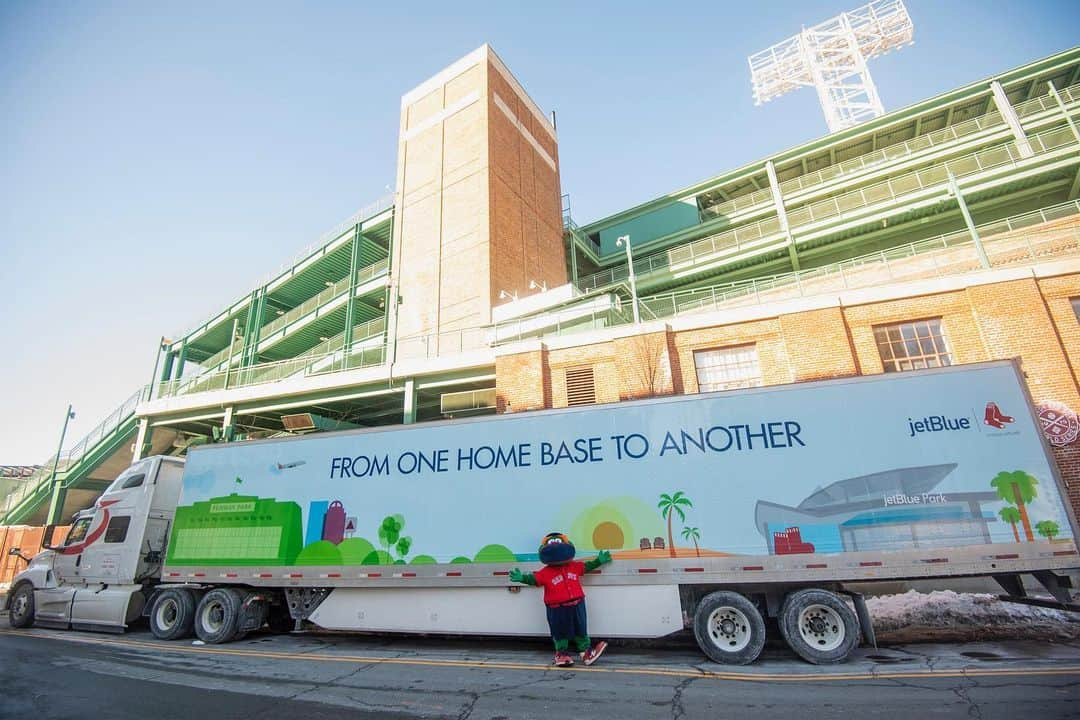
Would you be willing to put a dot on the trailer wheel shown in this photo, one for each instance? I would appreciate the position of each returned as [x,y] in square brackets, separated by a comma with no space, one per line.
[21,609]
[728,628]
[217,618]
[173,614]
[819,626]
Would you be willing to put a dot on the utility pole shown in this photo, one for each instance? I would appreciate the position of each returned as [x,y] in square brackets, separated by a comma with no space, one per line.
[56,500]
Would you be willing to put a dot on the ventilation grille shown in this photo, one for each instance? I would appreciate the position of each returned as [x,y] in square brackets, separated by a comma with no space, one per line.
[580,386]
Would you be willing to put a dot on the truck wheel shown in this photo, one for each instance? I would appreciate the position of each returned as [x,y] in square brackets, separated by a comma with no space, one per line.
[21,610]
[819,626]
[728,628]
[173,614]
[218,616]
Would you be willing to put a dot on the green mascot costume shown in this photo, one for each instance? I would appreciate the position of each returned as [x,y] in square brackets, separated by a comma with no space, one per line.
[564,597]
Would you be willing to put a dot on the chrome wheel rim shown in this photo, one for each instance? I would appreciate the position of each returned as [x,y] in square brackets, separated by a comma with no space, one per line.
[167,614]
[729,629]
[212,617]
[821,627]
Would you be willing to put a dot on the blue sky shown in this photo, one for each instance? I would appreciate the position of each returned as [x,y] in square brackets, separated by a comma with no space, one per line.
[157,160]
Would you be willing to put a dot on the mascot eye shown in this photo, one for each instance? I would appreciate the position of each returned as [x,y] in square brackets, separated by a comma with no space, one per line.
[555,541]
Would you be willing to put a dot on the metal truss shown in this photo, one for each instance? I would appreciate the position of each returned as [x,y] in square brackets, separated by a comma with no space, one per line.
[831,57]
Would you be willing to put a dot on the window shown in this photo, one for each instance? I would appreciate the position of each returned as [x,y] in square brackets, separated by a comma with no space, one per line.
[133,481]
[117,530]
[78,531]
[580,386]
[912,345]
[727,368]
[1076,307]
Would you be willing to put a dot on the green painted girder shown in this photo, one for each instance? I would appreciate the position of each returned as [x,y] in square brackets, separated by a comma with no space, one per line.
[77,475]
[291,287]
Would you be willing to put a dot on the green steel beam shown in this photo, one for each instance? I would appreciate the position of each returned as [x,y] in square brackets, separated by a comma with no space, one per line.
[350,305]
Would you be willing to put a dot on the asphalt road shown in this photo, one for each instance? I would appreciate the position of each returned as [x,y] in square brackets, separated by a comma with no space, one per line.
[53,674]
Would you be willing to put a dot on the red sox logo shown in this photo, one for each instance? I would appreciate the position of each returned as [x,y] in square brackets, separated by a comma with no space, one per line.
[1059,423]
[995,418]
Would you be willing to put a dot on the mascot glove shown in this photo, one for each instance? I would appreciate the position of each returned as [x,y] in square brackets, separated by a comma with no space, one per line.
[517,576]
[603,557]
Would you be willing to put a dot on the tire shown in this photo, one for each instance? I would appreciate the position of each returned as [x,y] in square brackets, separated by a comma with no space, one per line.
[728,628]
[819,626]
[217,618]
[21,607]
[172,616]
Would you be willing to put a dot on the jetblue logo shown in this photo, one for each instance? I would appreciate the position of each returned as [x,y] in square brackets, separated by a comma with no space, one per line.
[937,423]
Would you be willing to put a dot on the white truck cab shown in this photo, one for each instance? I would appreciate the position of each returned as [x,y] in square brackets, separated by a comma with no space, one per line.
[95,578]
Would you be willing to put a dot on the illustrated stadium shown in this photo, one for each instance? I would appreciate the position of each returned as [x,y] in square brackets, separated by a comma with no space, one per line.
[941,233]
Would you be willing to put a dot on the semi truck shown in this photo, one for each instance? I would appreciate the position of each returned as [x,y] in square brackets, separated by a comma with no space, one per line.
[726,513]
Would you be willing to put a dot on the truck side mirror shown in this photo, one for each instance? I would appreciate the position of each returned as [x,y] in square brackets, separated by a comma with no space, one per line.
[15,551]
[46,539]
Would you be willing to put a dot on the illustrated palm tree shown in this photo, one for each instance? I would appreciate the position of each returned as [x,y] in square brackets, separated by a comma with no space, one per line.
[1012,516]
[1018,488]
[670,505]
[1048,529]
[692,533]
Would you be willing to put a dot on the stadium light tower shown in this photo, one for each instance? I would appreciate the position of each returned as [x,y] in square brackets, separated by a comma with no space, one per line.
[831,56]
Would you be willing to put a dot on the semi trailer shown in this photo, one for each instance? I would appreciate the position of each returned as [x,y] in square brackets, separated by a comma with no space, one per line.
[725,513]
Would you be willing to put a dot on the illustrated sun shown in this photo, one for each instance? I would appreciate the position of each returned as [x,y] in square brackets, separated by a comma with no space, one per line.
[607,536]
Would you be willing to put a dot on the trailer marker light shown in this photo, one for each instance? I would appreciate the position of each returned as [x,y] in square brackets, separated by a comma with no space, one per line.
[371,575]
[1062,553]
[265,575]
[453,574]
[935,560]
[295,575]
[693,569]
[870,563]
[172,574]
[333,575]
[1007,556]
[816,566]
[646,570]
[500,572]
[198,574]
[228,575]
[752,567]
[408,574]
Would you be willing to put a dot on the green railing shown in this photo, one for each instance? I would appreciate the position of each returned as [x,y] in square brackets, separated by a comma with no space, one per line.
[891,153]
[70,458]
[302,366]
[331,293]
[766,231]
[949,254]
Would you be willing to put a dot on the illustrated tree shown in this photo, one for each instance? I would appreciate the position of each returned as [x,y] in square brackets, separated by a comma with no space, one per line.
[692,533]
[1048,529]
[403,545]
[1017,488]
[671,505]
[390,531]
[1012,516]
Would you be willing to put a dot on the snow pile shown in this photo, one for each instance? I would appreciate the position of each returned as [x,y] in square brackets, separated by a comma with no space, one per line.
[947,616]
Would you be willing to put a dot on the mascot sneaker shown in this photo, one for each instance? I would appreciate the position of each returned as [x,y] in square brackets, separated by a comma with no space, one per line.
[593,654]
[563,659]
